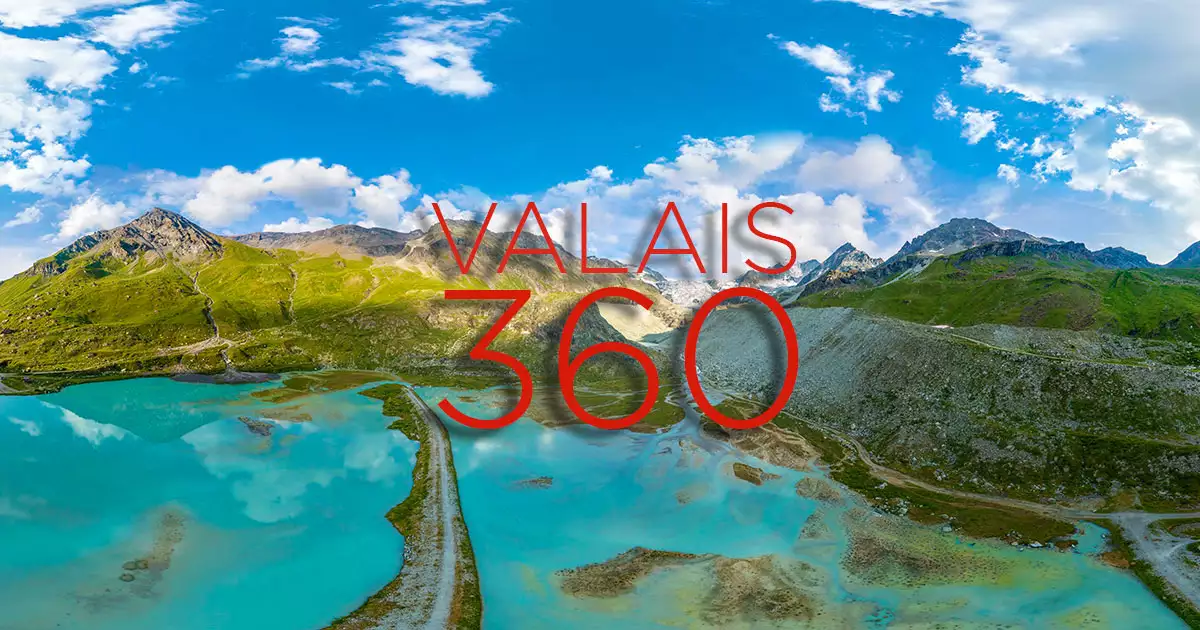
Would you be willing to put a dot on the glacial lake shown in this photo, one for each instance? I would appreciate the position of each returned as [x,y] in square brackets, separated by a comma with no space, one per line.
[149,504]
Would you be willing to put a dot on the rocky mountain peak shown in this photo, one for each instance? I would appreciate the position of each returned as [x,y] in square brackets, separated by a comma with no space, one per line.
[157,233]
[1188,259]
[768,282]
[957,235]
[1121,258]
[166,231]
[848,258]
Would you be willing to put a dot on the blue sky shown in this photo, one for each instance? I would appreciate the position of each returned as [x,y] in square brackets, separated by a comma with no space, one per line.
[874,119]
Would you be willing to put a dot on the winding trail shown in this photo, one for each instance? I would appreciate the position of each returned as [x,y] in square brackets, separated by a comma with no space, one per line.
[212,321]
[291,305]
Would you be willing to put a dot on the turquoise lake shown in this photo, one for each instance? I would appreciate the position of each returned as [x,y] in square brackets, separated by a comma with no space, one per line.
[241,530]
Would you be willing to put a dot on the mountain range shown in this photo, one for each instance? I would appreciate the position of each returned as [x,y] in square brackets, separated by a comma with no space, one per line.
[161,290]
[987,358]
[161,293]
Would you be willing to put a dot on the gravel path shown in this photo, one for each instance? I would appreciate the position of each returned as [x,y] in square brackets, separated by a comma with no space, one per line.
[444,498]
[438,582]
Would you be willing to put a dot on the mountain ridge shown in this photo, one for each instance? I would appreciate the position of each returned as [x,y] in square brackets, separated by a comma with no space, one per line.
[156,233]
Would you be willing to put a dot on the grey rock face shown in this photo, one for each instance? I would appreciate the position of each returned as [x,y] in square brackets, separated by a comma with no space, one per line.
[157,233]
[959,235]
[346,239]
[1188,259]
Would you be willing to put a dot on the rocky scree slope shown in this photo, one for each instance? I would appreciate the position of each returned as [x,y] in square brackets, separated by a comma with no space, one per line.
[1045,415]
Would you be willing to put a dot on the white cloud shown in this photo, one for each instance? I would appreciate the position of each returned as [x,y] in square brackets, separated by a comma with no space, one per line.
[434,51]
[439,52]
[1103,64]
[836,187]
[822,58]
[857,88]
[26,13]
[829,187]
[45,85]
[90,430]
[300,40]
[346,86]
[381,200]
[28,427]
[29,215]
[978,125]
[876,173]
[294,225]
[944,108]
[298,46]
[1008,173]
[438,4]
[140,25]
[90,215]
[228,195]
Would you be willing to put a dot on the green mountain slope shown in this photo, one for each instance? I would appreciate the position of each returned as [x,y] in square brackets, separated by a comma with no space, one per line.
[163,295]
[1050,289]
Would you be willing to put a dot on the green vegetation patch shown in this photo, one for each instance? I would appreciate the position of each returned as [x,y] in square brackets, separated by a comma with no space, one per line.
[302,385]
[1032,291]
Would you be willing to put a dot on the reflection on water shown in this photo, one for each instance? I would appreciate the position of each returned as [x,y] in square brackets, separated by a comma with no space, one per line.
[844,565]
[152,504]
[148,504]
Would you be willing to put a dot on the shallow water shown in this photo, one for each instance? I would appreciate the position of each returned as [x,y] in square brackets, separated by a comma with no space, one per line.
[614,491]
[287,531]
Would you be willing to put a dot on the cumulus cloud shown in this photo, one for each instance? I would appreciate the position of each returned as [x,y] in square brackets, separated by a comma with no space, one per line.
[26,13]
[876,173]
[90,215]
[140,25]
[229,195]
[854,88]
[300,40]
[439,52]
[298,46]
[943,107]
[835,191]
[978,125]
[436,51]
[838,184]
[47,85]
[294,225]
[29,215]
[1104,65]
[381,201]
[1008,173]
[822,58]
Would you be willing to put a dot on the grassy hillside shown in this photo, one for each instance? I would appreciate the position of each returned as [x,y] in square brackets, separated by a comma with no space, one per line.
[126,305]
[97,314]
[1033,291]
